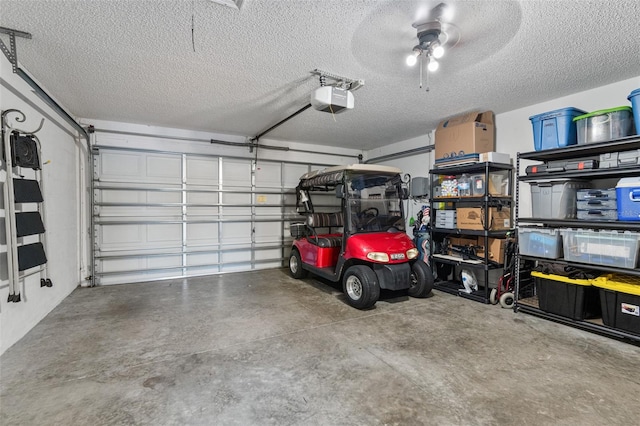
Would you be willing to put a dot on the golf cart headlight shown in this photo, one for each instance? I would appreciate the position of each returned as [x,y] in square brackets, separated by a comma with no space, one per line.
[378,256]
[412,253]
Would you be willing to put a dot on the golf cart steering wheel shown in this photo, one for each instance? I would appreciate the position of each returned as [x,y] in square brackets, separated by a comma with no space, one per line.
[371,211]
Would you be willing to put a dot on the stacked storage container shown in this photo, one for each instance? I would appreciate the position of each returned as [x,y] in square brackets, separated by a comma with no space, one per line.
[541,242]
[607,248]
[555,129]
[628,194]
[620,301]
[446,219]
[634,98]
[572,298]
[556,199]
[597,204]
[604,125]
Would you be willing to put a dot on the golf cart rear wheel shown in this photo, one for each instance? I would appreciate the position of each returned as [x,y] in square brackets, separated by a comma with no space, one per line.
[295,265]
[361,287]
[421,280]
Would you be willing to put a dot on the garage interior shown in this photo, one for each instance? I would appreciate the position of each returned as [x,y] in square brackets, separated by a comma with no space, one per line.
[172,137]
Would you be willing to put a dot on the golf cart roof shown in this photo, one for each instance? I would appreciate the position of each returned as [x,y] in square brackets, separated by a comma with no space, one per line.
[333,175]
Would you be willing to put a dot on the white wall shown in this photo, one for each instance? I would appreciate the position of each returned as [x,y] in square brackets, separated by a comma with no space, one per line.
[62,218]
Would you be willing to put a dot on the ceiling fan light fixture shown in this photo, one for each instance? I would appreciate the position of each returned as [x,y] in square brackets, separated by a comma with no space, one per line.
[413,57]
[433,65]
[438,52]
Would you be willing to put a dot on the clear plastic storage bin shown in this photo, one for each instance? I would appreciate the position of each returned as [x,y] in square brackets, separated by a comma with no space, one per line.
[608,248]
[545,243]
[605,125]
[555,199]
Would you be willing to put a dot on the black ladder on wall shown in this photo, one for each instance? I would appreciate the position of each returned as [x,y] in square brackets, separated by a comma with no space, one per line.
[21,150]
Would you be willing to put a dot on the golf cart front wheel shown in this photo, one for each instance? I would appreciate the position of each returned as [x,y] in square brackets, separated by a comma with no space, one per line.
[361,287]
[421,280]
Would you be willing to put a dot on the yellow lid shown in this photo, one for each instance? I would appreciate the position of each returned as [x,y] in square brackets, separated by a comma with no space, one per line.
[560,278]
[617,282]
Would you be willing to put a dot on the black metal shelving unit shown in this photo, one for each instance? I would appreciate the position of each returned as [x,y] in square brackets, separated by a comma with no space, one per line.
[530,304]
[485,201]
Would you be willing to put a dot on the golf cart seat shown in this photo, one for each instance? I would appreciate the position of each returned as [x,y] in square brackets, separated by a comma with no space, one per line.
[325,220]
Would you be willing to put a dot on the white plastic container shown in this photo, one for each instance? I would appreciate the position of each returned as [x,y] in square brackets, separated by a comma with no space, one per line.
[555,199]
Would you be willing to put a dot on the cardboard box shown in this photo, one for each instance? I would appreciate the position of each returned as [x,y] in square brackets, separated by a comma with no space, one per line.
[473,218]
[465,134]
[496,249]
[463,241]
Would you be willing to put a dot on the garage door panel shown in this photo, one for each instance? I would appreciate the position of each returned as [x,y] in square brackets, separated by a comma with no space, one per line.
[291,174]
[110,196]
[268,175]
[164,261]
[202,233]
[202,171]
[164,233]
[114,265]
[162,168]
[268,232]
[202,198]
[236,173]
[231,198]
[202,259]
[163,197]
[202,213]
[236,233]
[116,166]
[236,257]
[266,198]
[122,235]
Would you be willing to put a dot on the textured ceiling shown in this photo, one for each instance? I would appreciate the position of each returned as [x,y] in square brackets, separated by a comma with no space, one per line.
[133,61]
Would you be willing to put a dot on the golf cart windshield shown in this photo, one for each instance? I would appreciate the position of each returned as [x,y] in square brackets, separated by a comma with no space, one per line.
[374,202]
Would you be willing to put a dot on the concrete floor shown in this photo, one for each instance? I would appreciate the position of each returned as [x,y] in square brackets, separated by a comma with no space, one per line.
[263,348]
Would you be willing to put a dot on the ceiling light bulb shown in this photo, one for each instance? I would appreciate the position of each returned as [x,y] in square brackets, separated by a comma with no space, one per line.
[413,58]
[438,52]
[433,65]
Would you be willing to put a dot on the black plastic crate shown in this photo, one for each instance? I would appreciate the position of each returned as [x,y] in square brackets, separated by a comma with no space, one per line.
[620,310]
[575,301]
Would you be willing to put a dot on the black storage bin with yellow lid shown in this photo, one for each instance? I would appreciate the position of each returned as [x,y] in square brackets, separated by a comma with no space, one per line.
[572,298]
[620,300]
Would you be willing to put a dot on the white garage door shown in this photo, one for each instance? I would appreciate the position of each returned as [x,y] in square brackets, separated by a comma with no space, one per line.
[167,215]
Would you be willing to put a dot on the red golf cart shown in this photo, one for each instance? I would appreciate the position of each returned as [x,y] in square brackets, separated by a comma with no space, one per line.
[362,241]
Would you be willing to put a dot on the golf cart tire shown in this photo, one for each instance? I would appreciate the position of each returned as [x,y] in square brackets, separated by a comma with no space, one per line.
[360,286]
[295,265]
[507,300]
[421,280]
[493,296]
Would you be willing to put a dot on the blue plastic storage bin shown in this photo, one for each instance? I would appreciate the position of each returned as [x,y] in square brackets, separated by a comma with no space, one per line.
[634,98]
[555,129]
[628,198]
